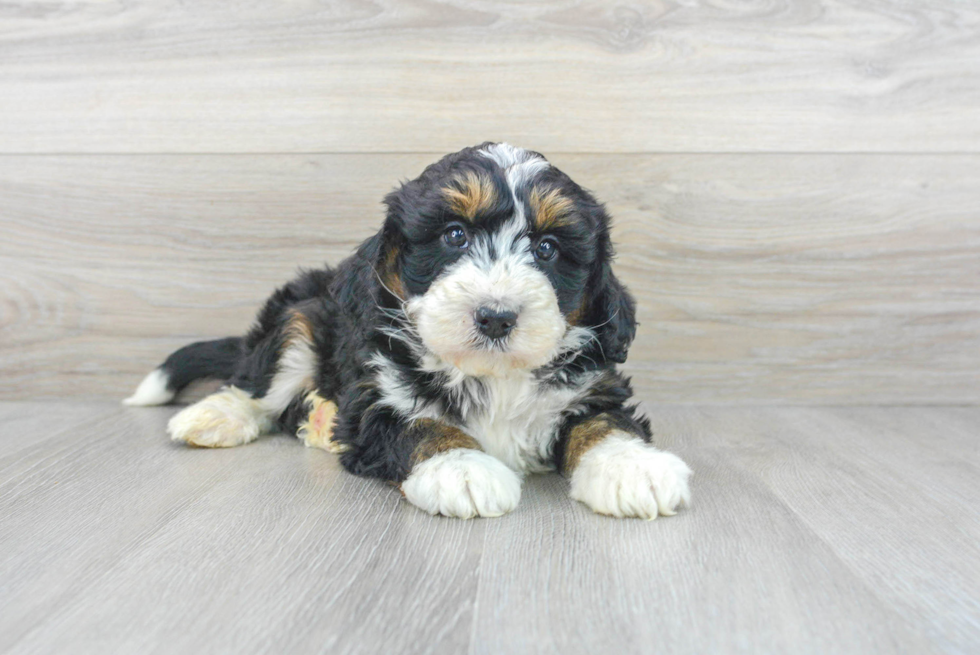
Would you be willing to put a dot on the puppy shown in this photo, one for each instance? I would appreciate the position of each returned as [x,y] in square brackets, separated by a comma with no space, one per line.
[473,340]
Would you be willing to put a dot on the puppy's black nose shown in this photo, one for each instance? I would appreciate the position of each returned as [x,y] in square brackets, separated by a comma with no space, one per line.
[495,324]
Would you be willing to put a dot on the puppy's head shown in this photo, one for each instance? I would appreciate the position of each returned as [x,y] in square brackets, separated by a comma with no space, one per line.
[502,262]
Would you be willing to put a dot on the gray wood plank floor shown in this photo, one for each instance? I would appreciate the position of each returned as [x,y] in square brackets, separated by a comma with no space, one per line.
[813,530]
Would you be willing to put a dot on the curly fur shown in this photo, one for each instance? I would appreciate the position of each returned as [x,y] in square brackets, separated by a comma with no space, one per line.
[389,337]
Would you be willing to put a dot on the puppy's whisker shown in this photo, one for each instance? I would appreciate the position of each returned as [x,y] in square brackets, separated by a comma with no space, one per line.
[598,342]
[387,288]
[609,320]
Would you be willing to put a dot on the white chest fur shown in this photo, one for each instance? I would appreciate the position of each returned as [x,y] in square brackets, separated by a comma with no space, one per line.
[515,418]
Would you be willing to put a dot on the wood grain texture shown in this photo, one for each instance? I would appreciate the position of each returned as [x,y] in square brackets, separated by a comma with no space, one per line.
[555,75]
[888,490]
[760,278]
[813,530]
[163,526]
[25,425]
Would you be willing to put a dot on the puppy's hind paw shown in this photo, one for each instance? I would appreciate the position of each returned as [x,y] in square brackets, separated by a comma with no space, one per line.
[463,483]
[225,419]
[624,476]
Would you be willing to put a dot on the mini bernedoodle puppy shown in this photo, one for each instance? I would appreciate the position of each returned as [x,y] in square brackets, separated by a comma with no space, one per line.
[473,340]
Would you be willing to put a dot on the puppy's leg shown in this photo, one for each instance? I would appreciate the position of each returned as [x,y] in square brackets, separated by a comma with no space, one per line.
[249,407]
[438,467]
[452,476]
[315,428]
[616,471]
[230,417]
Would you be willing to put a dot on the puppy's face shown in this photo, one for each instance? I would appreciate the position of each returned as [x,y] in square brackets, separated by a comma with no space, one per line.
[501,262]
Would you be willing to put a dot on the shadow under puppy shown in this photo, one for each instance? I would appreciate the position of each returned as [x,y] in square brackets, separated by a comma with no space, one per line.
[474,339]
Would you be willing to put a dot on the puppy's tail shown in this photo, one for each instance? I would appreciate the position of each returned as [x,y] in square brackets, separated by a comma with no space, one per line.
[204,359]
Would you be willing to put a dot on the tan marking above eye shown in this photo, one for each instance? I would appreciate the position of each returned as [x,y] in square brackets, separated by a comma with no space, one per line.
[470,194]
[551,209]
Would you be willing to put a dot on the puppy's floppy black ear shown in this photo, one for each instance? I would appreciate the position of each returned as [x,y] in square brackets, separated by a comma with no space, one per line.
[613,315]
[388,246]
[610,311]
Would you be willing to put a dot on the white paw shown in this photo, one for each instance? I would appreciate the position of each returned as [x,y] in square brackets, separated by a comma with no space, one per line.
[228,418]
[624,476]
[463,483]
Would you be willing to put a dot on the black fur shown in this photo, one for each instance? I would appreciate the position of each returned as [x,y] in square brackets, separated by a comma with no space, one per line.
[351,305]
[204,359]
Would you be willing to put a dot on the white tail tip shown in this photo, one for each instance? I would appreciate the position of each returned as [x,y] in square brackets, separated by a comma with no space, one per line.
[152,391]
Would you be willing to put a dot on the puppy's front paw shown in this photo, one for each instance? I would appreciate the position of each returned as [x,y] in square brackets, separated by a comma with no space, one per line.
[463,483]
[624,476]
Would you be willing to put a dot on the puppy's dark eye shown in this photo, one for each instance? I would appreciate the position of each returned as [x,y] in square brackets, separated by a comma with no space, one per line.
[546,250]
[455,236]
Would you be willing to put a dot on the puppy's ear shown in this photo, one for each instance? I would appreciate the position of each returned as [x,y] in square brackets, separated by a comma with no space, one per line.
[390,243]
[613,315]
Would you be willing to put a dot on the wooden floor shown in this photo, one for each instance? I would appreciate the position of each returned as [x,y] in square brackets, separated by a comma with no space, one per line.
[813,530]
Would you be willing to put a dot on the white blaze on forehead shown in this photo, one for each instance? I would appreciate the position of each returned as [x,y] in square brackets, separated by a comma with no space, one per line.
[508,245]
[520,166]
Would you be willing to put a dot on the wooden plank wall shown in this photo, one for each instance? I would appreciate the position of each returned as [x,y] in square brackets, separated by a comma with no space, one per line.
[796,184]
